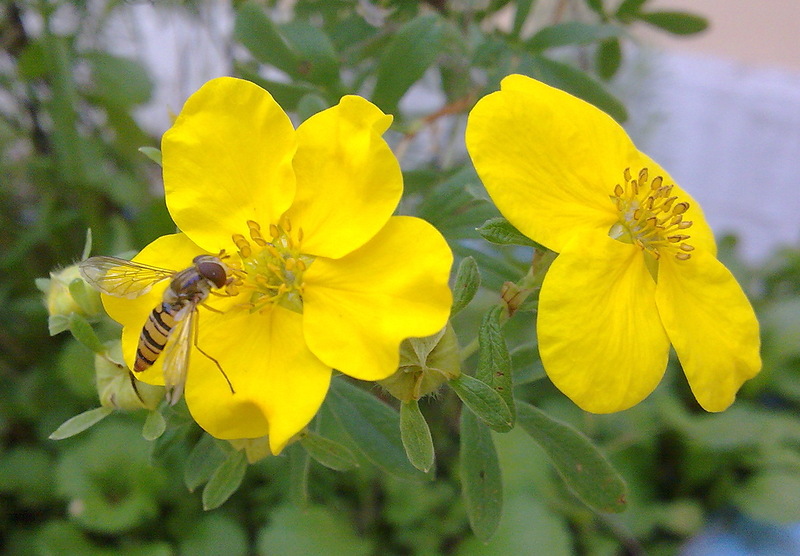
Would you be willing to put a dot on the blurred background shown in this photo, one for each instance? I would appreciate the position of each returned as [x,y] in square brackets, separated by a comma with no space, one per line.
[710,89]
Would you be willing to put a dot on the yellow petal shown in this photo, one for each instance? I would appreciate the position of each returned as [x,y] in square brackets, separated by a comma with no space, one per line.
[348,180]
[357,309]
[712,326]
[600,337]
[172,252]
[227,160]
[279,384]
[548,160]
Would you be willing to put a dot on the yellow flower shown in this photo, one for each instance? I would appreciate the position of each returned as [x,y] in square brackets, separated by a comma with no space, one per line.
[637,268]
[327,277]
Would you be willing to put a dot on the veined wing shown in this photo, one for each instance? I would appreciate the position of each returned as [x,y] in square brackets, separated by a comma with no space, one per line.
[176,355]
[121,278]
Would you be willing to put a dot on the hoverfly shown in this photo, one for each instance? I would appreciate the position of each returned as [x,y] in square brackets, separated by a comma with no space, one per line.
[173,324]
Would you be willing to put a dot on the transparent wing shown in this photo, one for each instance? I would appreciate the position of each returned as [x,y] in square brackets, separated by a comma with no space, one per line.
[121,278]
[176,355]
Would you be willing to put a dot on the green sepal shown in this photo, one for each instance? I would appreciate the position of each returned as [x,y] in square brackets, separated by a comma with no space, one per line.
[485,402]
[84,333]
[86,298]
[416,436]
[328,453]
[468,280]
[481,483]
[501,232]
[225,480]
[154,425]
[80,422]
[152,153]
[584,469]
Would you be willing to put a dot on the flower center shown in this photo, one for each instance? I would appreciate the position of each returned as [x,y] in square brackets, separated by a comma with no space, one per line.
[650,217]
[274,268]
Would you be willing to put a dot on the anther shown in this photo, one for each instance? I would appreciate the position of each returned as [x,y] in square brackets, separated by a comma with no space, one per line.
[243,245]
[687,247]
[627,174]
[643,174]
[618,191]
[680,208]
[274,231]
[683,256]
[657,181]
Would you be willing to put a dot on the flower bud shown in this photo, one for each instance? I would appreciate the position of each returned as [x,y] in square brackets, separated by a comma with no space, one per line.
[115,383]
[65,293]
[425,364]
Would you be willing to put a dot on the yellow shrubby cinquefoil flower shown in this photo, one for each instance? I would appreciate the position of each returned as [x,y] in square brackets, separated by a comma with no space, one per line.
[326,277]
[637,267]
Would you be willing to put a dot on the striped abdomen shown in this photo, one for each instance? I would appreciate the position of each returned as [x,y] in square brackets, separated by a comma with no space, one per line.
[155,335]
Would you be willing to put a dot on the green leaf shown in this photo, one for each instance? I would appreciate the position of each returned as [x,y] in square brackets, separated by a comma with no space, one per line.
[494,360]
[225,480]
[315,530]
[523,9]
[373,427]
[80,422]
[84,333]
[206,456]
[299,467]
[572,32]
[583,467]
[119,81]
[262,38]
[317,57]
[468,280]
[411,51]
[628,10]
[578,83]
[483,401]
[501,232]
[288,95]
[309,105]
[154,425]
[152,153]
[677,23]
[416,436]
[609,58]
[596,6]
[771,496]
[327,452]
[481,484]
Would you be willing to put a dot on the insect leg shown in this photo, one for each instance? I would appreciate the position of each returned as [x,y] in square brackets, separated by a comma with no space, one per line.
[196,331]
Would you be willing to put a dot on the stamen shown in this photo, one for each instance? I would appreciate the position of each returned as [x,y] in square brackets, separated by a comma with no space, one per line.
[650,216]
[272,270]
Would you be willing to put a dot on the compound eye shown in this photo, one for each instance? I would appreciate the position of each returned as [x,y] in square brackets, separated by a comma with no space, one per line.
[214,272]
